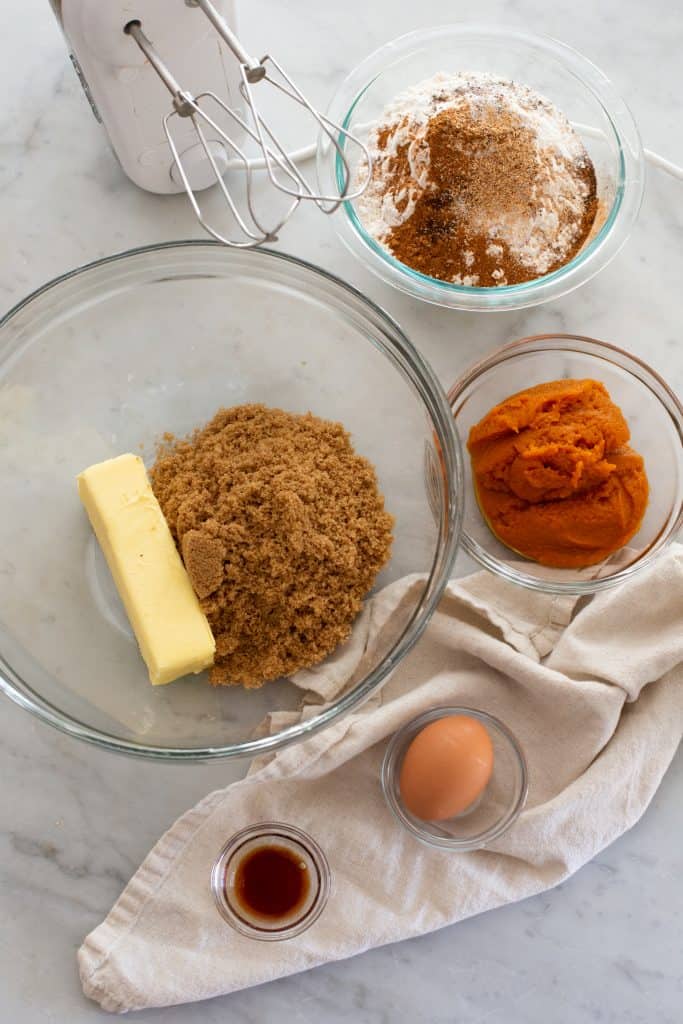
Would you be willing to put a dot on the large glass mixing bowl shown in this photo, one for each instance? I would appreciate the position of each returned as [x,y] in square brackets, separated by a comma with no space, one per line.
[107,358]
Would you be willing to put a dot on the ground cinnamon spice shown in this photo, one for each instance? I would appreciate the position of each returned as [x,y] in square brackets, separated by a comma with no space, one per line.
[481,171]
[282,530]
[483,183]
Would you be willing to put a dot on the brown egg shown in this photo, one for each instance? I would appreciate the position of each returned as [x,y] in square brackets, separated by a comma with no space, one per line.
[446,767]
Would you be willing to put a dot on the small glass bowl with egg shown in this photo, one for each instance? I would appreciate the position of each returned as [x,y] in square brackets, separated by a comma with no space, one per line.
[455,778]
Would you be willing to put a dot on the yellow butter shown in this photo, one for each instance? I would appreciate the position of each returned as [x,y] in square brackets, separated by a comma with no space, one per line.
[171,630]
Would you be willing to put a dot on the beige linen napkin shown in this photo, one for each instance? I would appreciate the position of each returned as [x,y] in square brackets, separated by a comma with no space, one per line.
[597,703]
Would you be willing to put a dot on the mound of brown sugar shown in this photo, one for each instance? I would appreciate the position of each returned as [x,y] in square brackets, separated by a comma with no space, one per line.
[282,530]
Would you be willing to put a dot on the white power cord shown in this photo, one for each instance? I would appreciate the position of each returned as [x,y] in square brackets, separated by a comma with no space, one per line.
[297,156]
[653,158]
[664,165]
[305,153]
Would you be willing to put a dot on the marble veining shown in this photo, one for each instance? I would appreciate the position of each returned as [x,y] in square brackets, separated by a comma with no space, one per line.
[75,822]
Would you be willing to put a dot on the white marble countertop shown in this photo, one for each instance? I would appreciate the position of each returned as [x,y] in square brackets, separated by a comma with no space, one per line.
[76,822]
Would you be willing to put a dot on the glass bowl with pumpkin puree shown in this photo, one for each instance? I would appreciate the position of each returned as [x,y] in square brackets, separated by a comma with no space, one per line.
[574,463]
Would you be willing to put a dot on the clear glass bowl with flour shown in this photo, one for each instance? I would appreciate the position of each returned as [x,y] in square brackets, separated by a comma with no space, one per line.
[601,123]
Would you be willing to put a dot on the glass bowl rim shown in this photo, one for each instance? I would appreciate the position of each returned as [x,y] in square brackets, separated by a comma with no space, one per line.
[432,397]
[547,286]
[634,364]
[275,829]
[387,776]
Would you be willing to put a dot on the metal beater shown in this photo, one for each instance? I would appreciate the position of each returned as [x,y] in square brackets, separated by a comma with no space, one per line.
[122,96]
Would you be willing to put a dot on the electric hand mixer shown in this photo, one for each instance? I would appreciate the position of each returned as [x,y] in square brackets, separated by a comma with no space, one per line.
[179,98]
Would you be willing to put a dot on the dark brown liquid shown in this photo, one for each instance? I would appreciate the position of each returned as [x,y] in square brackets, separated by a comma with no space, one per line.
[272,881]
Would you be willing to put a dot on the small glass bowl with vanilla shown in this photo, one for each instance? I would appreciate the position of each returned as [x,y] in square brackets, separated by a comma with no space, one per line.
[271,881]
[455,778]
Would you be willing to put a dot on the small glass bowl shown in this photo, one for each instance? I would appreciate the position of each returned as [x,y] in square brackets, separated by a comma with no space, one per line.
[653,413]
[575,85]
[492,814]
[253,837]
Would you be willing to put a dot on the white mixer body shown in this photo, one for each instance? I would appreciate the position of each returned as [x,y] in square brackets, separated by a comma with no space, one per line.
[127,95]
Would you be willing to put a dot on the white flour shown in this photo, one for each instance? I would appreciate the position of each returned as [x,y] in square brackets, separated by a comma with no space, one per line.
[546,232]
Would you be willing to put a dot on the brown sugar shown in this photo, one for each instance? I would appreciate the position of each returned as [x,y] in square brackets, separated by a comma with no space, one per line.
[554,476]
[282,530]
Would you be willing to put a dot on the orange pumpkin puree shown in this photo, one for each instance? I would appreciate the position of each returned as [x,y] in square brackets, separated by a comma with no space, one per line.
[554,476]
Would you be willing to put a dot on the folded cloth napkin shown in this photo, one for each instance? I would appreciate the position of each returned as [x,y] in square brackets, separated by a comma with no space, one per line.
[596,701]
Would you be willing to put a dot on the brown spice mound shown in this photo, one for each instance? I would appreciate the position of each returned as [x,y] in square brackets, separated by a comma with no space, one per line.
[483,172]
[282,530]
[479,181]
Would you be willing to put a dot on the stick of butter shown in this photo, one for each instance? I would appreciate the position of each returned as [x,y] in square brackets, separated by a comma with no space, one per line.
[171,630]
